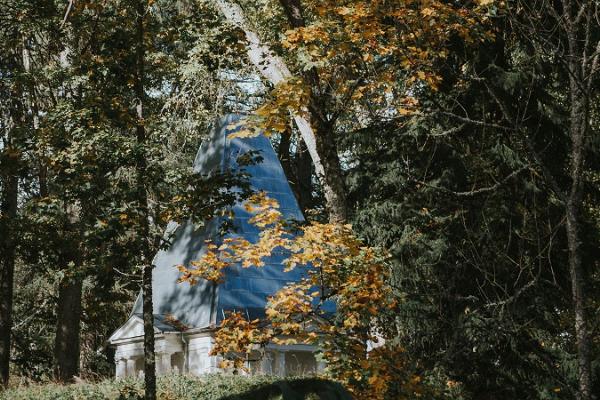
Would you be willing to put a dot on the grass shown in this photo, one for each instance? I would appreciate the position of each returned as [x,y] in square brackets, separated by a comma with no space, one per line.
[183,387]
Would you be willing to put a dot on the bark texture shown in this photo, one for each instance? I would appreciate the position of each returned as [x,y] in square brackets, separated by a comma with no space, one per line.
[578,132]
[68,327]
[8,224]
[333,181]
[68,307]
[582,65]
[298,169]
[143,216]
[7,269]
[149,356]
[325,140]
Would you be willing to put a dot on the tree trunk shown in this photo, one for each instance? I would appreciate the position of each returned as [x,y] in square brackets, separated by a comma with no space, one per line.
[582,334]
[581,68]
[283,153]
[68,327]
[7,269]
[148,315]
[8,225]
[578,132]
[303,172]
[143,217]
[68,308]
[334,186]
[333,178]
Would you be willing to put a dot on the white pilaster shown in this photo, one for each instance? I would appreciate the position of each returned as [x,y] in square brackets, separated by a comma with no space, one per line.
[199,362]
[280,363]
[131,367]
[121,368]
[163,363]
[266,363]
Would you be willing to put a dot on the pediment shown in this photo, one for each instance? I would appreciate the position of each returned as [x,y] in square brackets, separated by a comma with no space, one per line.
[133,328]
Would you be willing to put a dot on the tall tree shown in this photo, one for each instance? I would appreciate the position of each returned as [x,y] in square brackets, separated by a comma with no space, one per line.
[579,21]
[7,267]
[13,114]
[324,126]
[146,248]
[575,48]
[9,175]
[275,70]
[334,67]
[458,194]
[156,200]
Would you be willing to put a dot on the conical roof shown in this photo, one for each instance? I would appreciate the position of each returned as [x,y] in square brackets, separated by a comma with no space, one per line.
[244,289]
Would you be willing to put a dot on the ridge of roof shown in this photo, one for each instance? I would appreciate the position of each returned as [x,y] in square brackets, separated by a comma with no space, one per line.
[244,289]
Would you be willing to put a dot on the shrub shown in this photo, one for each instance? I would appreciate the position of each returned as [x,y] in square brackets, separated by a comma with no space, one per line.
[182,387]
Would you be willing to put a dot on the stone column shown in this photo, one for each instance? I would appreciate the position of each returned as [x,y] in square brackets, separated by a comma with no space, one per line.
[121,368]
[163,363]
[280,363]
[131,367]
[265,364]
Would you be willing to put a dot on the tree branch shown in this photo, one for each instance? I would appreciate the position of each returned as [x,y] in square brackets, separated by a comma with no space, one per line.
[477,192]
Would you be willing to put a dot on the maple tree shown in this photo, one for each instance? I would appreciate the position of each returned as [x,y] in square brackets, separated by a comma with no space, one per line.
[339,269]
[377,51]
[351,59]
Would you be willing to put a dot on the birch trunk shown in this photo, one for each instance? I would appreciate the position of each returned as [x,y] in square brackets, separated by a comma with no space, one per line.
[321,147]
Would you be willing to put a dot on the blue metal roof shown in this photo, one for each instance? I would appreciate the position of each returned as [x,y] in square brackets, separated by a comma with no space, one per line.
[244,289]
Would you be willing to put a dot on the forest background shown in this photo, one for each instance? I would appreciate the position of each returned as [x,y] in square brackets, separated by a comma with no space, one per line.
[460,139]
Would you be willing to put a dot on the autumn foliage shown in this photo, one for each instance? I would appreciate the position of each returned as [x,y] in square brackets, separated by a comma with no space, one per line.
[369,55]
[340,271]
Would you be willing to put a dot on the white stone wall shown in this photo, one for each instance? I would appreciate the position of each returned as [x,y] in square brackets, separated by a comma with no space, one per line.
[126,358]
[199,362]
[177,353]
[129,356]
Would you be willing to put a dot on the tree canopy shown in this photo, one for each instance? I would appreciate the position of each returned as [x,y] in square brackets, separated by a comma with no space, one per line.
[445,155]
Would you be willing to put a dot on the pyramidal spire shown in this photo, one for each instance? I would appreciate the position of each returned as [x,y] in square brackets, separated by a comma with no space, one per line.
[244,289]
